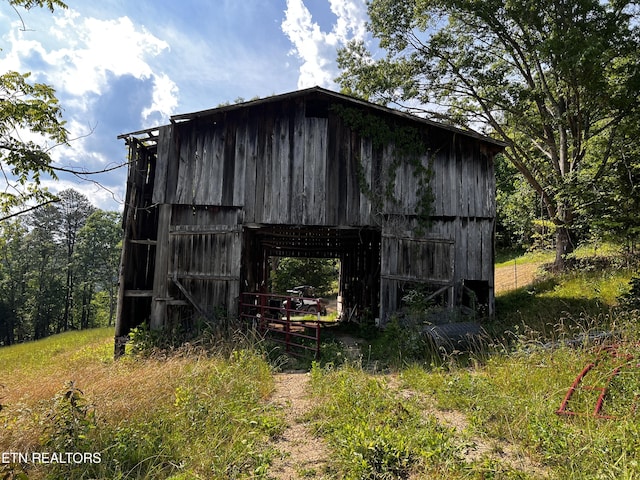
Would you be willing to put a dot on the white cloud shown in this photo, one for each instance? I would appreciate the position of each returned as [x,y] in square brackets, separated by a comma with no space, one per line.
[83,53]
[352,19]
[165,99]
[99,47]
[307,41]
[100,196]
[317,49]
[84,58]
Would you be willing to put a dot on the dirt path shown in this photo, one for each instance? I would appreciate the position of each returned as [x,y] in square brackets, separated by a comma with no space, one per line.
[304,455]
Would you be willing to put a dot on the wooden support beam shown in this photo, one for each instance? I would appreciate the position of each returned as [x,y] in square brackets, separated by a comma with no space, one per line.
[189,297]
[138,293]
[432,281]
[203,276]
[160,283]
[143,242]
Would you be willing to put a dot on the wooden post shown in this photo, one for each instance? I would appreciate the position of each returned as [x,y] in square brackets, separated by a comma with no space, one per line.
[263,303]
[287,336]
[160,277]
[119,347]
[317,340]
[288,303]
[121,328]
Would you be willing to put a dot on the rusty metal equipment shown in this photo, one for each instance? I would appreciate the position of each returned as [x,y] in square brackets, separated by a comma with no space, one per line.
[610,362]
[279,317]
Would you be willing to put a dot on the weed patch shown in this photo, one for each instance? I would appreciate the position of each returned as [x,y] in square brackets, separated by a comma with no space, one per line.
[190,416]
[515,397]
[69,424]
[400,344]
[376,434]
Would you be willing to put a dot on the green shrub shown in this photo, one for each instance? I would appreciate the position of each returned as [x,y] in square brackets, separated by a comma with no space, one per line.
[401,344]
[70,422]
[631,300]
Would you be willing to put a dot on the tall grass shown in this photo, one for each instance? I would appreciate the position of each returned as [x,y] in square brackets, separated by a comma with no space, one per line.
[509,396]
[585,295]
[378,430]
[515,397]
[194,415]
[509,400]
[373,432]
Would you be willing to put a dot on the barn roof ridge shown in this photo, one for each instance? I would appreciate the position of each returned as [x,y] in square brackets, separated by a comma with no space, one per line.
[322,91]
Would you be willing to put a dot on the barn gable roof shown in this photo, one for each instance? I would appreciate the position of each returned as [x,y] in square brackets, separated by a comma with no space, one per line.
[328,94]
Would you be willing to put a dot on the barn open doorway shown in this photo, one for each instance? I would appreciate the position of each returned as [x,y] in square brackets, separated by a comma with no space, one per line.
[307,279]
[356,252]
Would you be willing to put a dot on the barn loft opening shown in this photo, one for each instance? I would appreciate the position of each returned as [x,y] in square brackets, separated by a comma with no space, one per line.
[357,249]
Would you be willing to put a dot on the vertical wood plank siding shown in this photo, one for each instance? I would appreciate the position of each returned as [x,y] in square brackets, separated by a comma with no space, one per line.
[280,164]
[285,168]
[204,251]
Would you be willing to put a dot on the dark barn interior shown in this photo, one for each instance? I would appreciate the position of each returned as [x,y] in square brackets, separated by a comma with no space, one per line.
[357,249]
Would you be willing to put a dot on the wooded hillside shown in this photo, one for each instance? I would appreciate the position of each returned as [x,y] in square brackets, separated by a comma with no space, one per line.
[58,269]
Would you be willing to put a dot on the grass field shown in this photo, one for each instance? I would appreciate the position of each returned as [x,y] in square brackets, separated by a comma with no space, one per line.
[204,416]
[210,413]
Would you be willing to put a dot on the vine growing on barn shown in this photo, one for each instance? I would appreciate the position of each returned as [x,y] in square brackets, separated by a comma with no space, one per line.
[409,147]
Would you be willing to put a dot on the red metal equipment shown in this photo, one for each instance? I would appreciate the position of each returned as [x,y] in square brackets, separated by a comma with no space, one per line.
[608,353]
[275,315]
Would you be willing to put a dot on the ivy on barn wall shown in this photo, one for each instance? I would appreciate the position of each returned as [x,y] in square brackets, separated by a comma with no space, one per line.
[410,147]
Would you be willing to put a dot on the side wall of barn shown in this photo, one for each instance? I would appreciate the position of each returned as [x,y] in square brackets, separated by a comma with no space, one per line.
[456,248]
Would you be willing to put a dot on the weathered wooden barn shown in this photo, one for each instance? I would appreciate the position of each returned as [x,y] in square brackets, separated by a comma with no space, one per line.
[403,202]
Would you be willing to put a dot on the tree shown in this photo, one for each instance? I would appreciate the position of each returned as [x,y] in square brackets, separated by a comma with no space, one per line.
[14,263]
[33,108]
[613,207]
[553,79]
[74,209]
[97,258]
[516,204]
[53,263]
[44,276]
[290,272]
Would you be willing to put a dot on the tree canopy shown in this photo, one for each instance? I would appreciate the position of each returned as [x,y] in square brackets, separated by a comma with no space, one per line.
[554,79]
[31,125]
[290,272]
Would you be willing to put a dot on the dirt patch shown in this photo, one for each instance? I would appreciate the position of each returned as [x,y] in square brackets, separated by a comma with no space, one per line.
[477,448]
[512,277]
[303,454]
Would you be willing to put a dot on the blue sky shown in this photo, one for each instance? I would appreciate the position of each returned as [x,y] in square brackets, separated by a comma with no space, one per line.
[120,65]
